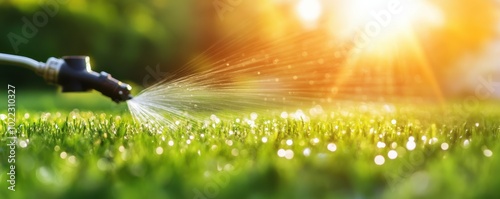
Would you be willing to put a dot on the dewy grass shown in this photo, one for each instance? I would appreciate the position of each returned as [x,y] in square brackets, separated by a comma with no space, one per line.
[362,152]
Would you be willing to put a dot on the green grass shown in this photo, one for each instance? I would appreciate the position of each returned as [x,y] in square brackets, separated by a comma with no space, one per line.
[83,154]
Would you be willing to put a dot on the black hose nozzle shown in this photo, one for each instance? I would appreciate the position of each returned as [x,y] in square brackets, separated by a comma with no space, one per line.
[75,75]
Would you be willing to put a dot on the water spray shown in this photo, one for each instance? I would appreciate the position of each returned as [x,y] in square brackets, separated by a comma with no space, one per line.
[243,74]
[73,74]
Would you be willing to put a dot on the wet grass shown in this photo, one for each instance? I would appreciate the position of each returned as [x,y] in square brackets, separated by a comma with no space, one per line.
[362,152]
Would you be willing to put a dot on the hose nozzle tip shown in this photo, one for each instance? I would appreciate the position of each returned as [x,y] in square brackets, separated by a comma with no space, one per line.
[123,91]
[75,75]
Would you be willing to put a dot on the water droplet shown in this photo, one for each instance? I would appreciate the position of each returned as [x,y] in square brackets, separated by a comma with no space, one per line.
[228,167]
[72,159]
[214,118]
[411,145]
[433,140]
[487,153]
[466,143]
[332,147]
[380,145]
[394,145]
[159,150]
[299,115]
[392,154]
[253,116]
[103,164]
[316,110]
[281,153]
[444,146]
[289,154]
[23,144]
[171,143]
[307,152]
[379,160]
[235,152]
[315,140]
[63,155]
[289,142]
[264,139]
[394,121]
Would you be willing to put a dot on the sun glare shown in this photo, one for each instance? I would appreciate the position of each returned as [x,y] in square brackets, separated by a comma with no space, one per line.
[385,27]
[309,10]
[390,17]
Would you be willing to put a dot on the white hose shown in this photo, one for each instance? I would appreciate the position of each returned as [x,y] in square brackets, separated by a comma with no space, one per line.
[21,61]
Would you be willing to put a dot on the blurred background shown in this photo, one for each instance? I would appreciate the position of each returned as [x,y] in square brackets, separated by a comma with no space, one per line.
[444,48]
[121,37]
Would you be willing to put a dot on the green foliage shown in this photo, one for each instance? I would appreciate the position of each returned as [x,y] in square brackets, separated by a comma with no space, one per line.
[81,154]
[122,37]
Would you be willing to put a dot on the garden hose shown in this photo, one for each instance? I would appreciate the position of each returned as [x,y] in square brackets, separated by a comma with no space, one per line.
[73,74]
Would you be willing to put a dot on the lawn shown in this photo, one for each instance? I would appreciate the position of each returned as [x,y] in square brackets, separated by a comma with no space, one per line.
[352,151]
